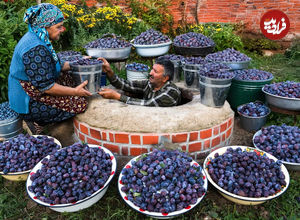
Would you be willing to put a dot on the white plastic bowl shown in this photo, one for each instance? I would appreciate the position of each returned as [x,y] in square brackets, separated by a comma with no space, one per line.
[152,50]
[159,215]
[289,165]
[81,204]
[22,176]
[241,199]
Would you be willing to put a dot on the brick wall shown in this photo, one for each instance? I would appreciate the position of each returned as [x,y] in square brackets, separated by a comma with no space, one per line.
[247,11]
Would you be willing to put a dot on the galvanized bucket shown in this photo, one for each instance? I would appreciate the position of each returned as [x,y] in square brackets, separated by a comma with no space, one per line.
[191,75]
[10,127]
[213,92]
[177,70]
[92,73]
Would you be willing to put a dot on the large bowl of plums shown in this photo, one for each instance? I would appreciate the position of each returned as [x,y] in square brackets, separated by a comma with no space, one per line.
[69,56]
[137,71]
[151,43]
[20,154]
[231,57]
[284,95]
[162,184]
[110,47]
[253,115]
[283,142]
[246,175]
[73,178]
[193,44]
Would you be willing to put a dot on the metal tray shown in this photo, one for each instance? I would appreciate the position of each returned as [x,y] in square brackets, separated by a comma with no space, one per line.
[110,53]
[194,51]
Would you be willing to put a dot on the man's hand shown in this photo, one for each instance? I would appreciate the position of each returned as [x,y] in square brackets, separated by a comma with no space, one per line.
[80,91]
[109,94]
[106,67]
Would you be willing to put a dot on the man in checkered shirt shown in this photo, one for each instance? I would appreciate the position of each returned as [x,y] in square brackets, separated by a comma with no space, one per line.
[158,90]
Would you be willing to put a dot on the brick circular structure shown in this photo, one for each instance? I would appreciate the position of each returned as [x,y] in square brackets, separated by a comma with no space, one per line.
[98,126]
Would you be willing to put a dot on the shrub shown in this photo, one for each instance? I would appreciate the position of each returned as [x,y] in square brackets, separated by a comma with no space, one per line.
[258,45]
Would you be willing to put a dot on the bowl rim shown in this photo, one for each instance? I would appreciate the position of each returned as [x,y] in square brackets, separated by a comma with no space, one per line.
[84,66]
[216,79]
[151,45]
[243,198]
[38,165]
[28,171]
[158,214]
[226,62]
[252,117]
[205,47]
[283,161]
[277,96]
[123,48]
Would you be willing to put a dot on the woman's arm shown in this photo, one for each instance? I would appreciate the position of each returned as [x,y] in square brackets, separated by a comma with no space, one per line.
[66,66]
[60,90]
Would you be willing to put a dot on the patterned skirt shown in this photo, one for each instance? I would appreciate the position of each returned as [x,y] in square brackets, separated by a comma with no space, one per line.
[44,108]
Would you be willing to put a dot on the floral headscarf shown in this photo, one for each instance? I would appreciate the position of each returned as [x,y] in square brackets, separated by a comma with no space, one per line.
[41,16]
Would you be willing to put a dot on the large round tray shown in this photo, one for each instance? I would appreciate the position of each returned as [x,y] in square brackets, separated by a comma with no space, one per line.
[289,165]
[194,51]
[282,102]
[153,50]
[110,53]
[237,65]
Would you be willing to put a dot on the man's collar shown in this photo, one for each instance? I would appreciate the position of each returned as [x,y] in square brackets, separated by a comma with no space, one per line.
[167,83]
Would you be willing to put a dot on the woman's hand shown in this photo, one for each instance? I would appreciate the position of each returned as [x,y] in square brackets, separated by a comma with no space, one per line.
[80,91]
[109,94]
[106,67]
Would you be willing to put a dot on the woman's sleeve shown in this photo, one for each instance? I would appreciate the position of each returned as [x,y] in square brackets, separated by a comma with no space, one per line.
[39,67]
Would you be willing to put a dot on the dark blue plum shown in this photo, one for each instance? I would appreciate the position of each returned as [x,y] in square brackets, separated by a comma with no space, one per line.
[287,89]
[193,40]
[151,37]
[254,109]
[227,55]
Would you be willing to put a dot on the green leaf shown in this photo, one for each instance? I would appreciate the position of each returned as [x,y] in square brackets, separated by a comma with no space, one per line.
[144,172]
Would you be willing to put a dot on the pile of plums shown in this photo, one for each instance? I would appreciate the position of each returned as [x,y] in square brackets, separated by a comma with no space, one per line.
[193,60]
[151,37]
[71,174]
[108,42]
[193,40]
[163,181]
[23,152]
[216,71]
[172,57]
[227,55]
[254,109]
[6,112]
[246,173]
[287,89]
[68,53]
[140,67]
[283,142]
[252,74]
[86,62]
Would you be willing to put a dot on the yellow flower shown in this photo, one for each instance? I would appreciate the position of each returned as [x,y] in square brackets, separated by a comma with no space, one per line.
[80,12]
[58,2]
[219,29]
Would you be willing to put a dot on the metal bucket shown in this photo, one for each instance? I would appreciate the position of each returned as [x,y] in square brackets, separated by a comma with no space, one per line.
[252,123]
[177,70]
[191,75]
[10,127]
[92,73]
[213,92]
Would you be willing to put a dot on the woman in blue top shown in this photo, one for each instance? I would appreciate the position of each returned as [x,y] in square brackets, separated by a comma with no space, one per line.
[37,88]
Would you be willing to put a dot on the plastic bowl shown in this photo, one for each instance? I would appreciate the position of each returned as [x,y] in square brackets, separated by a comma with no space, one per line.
[152,50]
[22,176]
[250,123]
[110,53]
[158,215]
[241,199]
[81,204]
[282,102]
[289,165]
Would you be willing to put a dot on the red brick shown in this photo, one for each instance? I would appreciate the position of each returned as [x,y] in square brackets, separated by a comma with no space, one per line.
[111,137]
[124,151]
[135,151]
[153,139]
[104,136]
[216,130]
[229,122]
[194,136]
[179,138]
[76,123]
[195,147]
[95,134]
[215,141]
[223,127]
[82,137]
[112,147]
[84,129]
[223,137]
[228,133]
[135,139]
[122,138]
[205,133]
[93,141]
[183,148]
[206,144]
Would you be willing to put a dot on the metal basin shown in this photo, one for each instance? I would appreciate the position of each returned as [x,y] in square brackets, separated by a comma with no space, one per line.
[194,51]
[152,50]
[10,127]
[110,53]
[237,65]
